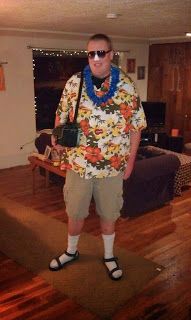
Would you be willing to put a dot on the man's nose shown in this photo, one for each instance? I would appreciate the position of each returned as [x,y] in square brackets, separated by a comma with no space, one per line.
[96,58]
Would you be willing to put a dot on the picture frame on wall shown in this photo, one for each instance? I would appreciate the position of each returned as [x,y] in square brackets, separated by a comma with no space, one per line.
[140,72]
[2,79]
[131,65]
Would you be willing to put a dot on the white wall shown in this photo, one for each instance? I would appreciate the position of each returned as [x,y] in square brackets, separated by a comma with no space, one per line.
[17,117]
[140,53]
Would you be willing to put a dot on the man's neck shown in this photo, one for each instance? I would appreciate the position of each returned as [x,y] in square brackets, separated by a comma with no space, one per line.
[98,81]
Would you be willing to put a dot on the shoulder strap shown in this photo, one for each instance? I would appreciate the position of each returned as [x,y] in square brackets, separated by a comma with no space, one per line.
[78,100]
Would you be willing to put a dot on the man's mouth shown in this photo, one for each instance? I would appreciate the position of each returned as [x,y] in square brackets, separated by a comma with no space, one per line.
[97,64]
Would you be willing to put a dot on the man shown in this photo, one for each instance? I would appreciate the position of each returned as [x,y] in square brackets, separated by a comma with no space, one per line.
[111,118]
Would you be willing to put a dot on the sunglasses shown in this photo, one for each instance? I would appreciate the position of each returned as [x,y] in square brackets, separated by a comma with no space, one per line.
[100,54]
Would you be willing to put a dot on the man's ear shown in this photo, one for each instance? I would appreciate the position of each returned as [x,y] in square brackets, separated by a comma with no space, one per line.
[111,54]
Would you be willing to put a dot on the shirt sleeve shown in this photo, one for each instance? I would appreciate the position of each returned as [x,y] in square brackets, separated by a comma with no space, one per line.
[138,119]
[67,99]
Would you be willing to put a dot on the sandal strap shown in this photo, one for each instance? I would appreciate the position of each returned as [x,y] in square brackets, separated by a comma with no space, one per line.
[114,269]
[58,262]
[110,272]
[114,259]
[72,255]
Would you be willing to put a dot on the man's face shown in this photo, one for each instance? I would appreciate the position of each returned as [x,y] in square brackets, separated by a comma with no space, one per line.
[100,66]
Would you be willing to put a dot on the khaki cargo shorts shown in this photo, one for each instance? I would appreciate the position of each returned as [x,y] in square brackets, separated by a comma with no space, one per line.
[107,194]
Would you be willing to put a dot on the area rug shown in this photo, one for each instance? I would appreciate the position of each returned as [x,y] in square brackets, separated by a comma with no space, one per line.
[32,239]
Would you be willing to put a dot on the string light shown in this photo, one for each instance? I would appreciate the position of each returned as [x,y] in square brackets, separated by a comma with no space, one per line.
[61,53]
[58,53]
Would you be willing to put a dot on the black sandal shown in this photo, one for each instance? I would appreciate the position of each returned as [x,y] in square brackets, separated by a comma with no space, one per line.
[110,272]
[75,256]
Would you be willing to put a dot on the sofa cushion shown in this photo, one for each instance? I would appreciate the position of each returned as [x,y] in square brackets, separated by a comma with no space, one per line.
[145,153]
[149,168]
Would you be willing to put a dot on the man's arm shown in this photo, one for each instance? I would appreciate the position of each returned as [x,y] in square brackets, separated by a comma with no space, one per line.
[135,137]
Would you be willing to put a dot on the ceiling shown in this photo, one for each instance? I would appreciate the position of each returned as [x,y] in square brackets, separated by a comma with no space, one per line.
[142,20]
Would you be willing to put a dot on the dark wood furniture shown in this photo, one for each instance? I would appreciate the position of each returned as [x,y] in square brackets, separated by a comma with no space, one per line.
[154,136]
[169,80]
[159,138]
[175,144]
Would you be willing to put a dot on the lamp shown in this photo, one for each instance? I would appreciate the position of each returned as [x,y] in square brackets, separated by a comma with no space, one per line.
[175,132]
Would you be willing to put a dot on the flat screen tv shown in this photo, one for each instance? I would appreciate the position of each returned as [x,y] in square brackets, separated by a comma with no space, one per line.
[155,113]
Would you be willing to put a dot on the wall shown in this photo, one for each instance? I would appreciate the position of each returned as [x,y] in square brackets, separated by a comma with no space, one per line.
[140,53]
[17,117]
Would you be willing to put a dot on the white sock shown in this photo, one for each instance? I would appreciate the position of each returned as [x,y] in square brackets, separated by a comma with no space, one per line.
[108,241]
[72,247]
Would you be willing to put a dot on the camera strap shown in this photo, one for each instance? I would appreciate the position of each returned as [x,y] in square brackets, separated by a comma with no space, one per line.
[78,100]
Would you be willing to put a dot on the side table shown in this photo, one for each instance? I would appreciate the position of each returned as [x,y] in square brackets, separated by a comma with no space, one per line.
[48,166]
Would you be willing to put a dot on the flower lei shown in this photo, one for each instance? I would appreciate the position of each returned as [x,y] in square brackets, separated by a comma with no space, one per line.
[90,88]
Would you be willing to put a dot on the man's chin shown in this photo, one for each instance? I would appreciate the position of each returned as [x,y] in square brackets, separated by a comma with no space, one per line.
[98,72]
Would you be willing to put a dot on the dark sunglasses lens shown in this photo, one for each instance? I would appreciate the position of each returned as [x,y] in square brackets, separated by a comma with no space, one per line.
[100,53]
[91,54]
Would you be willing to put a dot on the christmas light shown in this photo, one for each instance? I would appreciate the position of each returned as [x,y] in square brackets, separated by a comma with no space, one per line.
[61,53]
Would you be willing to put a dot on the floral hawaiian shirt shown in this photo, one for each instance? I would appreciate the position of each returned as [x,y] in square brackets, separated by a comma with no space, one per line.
[104,141]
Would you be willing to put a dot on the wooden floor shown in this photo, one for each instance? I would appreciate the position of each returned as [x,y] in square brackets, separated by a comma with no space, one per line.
[163,235]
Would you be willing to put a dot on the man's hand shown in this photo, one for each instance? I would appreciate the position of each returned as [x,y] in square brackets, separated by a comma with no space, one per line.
[53,140]
[56,146]
[135,137]
[128,171]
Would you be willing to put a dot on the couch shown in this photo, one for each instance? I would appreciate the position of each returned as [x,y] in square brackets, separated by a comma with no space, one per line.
[150,184]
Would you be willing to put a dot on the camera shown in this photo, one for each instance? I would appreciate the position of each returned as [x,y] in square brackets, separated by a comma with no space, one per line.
[66,134]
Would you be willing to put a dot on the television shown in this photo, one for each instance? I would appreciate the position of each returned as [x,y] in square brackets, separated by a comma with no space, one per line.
[155,113]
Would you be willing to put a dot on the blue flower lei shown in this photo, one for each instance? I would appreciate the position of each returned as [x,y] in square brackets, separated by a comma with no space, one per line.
[90,88]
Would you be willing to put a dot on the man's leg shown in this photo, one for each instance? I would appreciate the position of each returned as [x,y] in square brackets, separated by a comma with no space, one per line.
[75,226]
[108,236]
[77,196]
[107,227]
[108,197]
[74,231]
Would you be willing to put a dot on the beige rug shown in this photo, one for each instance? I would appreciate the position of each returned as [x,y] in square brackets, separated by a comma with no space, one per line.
[32,239]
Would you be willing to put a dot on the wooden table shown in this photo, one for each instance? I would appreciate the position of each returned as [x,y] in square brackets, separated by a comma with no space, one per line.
[48,166]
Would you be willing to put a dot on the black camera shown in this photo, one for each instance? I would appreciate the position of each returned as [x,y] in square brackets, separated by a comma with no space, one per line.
[66,134]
